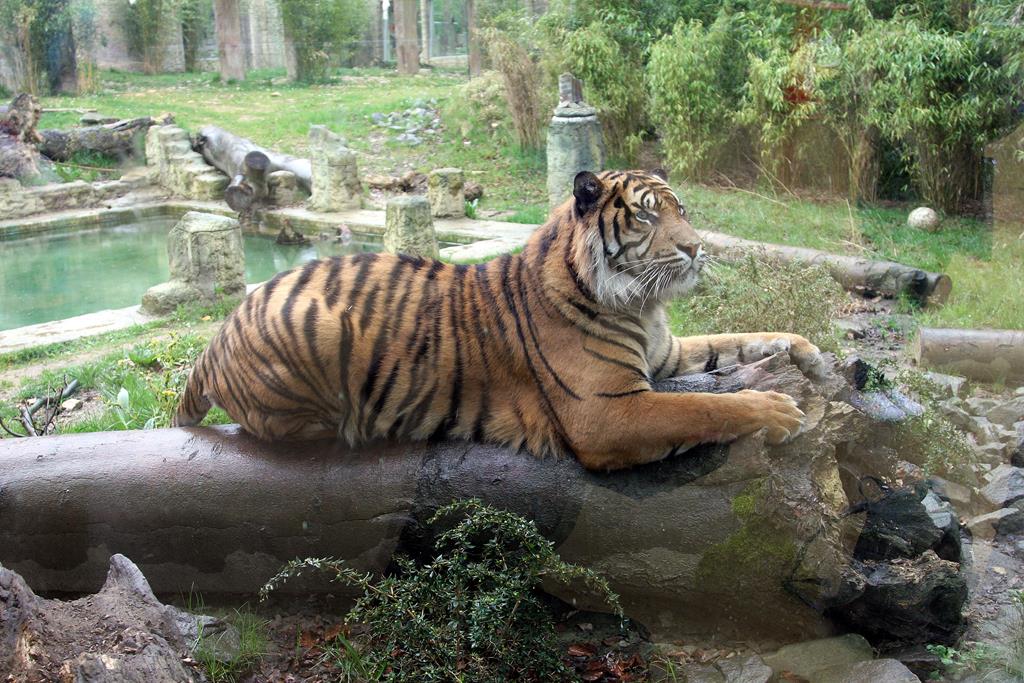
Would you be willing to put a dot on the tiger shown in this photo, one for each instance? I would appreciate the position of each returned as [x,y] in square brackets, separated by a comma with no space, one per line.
[554,349]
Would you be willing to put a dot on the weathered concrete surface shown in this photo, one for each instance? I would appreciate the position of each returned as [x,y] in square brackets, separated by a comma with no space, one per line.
[180,169]
[743,539]
[575,142]
[446,192]
[207,260]
[409,228]
[335,173]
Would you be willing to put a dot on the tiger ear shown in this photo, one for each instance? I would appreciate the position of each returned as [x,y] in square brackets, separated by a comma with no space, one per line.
[661,173]
[586,188]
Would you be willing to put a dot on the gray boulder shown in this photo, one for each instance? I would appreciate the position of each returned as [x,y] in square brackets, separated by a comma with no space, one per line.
[809,658]
[877,671]
[1005,486]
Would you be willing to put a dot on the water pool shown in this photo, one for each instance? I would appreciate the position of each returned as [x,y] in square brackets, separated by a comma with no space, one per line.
[57,275]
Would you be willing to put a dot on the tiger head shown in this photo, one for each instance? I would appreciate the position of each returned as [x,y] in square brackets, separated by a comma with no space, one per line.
[638,246]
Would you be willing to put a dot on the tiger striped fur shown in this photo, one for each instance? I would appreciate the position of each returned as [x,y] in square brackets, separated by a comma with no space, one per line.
[553,349]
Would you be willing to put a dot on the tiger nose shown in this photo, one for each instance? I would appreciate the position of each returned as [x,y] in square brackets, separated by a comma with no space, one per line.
[689,249]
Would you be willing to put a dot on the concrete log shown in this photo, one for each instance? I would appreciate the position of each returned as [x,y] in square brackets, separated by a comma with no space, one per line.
[853,273]
[228,152]
[983,355]
[733,539]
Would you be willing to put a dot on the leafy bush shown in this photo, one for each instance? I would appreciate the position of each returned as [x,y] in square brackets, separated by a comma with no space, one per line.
[756,296]
[473,613]
[324,33]
[196,22]
[693,81]
[479,108]
[522,79]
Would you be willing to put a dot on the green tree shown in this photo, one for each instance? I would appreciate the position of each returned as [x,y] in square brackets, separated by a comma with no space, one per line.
[324,33]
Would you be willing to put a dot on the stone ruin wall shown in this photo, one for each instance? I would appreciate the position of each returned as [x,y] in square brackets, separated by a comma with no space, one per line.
[112,44]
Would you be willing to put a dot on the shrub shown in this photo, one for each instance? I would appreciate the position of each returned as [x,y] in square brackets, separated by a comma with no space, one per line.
[756,296]
[613,83]
[479,108]
[522,78]
[196,21]
[324,33]
[693,81]
[473,613]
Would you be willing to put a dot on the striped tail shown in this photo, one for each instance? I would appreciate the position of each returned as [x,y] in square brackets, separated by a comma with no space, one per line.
[194,405]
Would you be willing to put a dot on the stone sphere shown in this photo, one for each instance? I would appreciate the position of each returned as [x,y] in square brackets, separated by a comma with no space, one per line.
[923,218]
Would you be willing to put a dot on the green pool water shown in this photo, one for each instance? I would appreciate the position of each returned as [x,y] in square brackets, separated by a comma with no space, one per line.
[62,274]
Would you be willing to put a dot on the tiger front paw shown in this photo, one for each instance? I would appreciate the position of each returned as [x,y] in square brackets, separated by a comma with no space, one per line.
[802,353]
[772,411]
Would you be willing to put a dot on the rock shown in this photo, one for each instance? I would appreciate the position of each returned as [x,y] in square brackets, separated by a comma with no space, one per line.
[206,259]
[957,494]
[473,190]
[283,189]
[446,193]
[1007,414]
[916,600]
[409,228]
[1005,486]
[950,385]
[575,143]
[164,298]
[119,635]
[807,659]
[944,518]
[1004,521]
[898,525]
[481,250]
[71,404]
[701,673]
[877,671]
[748,670]
[924,218]
[980,405]
[335,172]
[921,661]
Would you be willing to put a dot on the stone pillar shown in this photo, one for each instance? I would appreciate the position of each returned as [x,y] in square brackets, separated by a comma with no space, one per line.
[335,181]
[575,142]
[409,228]
[206,258]
[446,193]
[283,188]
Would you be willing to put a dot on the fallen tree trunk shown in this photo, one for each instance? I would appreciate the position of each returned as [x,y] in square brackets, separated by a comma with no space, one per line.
[18,156]
[983,355]
[247,164]
[120,140]
[737,540]
[853,273]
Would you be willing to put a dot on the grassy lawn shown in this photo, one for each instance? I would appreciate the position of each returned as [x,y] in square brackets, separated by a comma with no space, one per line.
[277,114]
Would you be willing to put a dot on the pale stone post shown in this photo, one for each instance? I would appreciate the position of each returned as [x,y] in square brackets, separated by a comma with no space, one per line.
[206,258]
[409,228]
[335,181]
[283,188]
[446,193]
[575,142]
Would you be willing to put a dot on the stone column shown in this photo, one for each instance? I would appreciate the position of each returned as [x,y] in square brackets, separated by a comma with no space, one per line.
[446,193]
[409,228]
[283,188]
[575,142]
[335,181]
[206,258]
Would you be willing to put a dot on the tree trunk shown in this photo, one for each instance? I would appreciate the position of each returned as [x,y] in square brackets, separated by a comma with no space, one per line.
[19,157]
[230,51]
[853,273]
[745,536]
[120,140]
[982,355]
[864,165]
[248,164]
[407,44]
[475,58]
[425,30]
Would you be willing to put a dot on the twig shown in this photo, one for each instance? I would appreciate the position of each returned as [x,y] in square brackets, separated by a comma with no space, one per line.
[26,420]
[67,110]
[68,389]
[3,425]
[735,188]
[91,168]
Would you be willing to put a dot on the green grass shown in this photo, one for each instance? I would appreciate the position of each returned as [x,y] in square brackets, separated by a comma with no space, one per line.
[277,114]
[88,166]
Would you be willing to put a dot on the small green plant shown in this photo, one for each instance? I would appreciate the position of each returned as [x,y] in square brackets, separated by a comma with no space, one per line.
[758,296]
[471,208]
[87,166]
[473,613]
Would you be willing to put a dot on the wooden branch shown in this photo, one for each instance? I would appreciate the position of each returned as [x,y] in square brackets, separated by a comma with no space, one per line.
[26,420]
[982,355]
[852,272]
[119,140]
